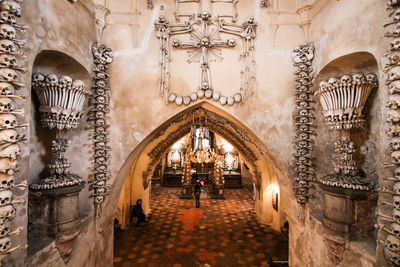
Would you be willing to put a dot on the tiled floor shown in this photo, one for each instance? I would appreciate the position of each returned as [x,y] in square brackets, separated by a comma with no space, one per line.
[220,233]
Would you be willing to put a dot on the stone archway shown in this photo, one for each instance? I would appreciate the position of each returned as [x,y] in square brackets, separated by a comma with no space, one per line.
[265,169]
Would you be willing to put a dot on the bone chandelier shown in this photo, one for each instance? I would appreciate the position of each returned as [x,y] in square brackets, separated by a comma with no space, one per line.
[205,46]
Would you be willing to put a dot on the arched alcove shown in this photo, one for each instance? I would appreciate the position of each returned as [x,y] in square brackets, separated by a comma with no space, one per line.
[40,141]
[265,170]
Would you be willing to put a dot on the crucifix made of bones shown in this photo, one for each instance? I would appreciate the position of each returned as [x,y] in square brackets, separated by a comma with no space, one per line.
[205,45]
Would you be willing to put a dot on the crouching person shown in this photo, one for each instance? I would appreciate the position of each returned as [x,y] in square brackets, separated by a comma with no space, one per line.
[137,212]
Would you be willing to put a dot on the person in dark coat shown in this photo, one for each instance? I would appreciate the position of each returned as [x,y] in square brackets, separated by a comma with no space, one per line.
[197,192]
[137,211]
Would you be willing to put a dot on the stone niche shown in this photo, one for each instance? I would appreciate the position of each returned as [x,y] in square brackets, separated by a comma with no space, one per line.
[347,215]
[56,216]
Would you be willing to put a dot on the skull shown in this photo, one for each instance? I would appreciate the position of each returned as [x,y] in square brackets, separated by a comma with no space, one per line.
[11,6]
[395,144]
[393,116]
[12,151]
[394,101]
[4,230]
[99,115]
[397,172]
[7,212]
[100,160]
[100,152]
[9,136]
[66,81]
[358,78]
[396,215]
[392,243]
[6,104]
[303,112]
[396,16]
[8,166]
[5,244]
[52,79]
[394,74]
[205,15]
[231,42]
[8,75]
[7,17]
[100,99]
[100,191]
[395,229]
[6,181]
[7,31]
[100,145]
[346,79]
[78,84]
[333,82]
[38,77]
[100,122]
[301,199]
[5,197]
[302,183]
[99,199]
[8,121]
[7,46]
[323,85]
[395,44]
[8,61]
[101,168]
[392,257]
[395,156]
[100,176]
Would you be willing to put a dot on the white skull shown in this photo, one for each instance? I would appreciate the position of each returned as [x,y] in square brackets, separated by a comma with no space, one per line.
[334,82]
[346,79]
[396,16]
[11,6]
[394,101]
[8,75]
[6,89]
[78,84]
[392,257]
[395,156]
[7,31]
[7,212]
[395,229]
[99,199]
[8,61]
[8,121]
[396,187]
[394,74]
[302,183]
[395,144]
[100,191]
[38,77]
[393,243]
[9,136]
[7,17]
[5,197]
[66,80]
[100,176]
[8,166]
[4,230]
[395,44]
[6,181]
[358,78]
[5,244]
[12,151]
[393,116]
[397,172]
[52,79]
[396,215]
[7,46]
[99,184]
[6,104]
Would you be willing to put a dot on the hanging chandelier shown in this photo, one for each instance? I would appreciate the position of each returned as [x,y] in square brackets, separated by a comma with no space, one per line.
[202,153]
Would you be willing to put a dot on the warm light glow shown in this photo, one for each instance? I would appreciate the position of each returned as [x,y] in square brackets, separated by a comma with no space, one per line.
[227,146]
[178,144]
[229,160]
[272,188]
[175,157]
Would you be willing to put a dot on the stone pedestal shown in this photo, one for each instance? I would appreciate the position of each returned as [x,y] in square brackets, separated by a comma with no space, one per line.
[187,192]
[339,212]
[217,192]
[59,215]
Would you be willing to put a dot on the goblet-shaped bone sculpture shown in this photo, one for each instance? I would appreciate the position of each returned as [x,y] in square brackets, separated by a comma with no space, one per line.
[343,100]
[61,102]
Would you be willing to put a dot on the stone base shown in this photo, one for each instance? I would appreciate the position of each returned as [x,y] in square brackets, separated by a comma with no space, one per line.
[339,209]
[187,192]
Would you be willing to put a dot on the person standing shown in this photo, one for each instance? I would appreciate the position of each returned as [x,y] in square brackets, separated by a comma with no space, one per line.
[197,192]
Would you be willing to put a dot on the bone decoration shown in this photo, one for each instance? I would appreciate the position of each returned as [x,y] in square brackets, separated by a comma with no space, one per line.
[389,224]
[205,46]
[103,56]
[304,121]
[11,117]
[343,100]
[61,100]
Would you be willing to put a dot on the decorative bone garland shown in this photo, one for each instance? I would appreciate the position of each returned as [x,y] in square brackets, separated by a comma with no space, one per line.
[303,121]
[204,46]
[103,56]
[10,150]
[391,68]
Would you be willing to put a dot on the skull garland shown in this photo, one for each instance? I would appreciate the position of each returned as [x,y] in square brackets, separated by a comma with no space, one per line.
[392,77]
[99,116]
[303,120]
